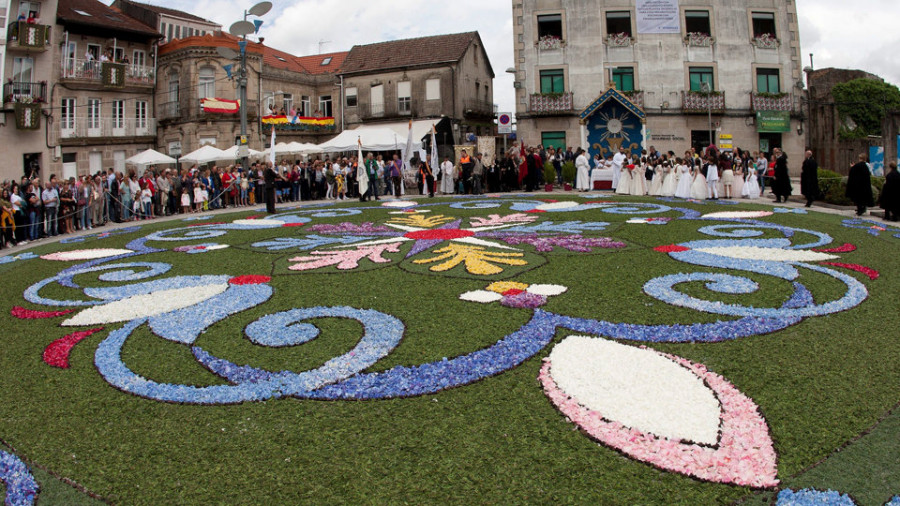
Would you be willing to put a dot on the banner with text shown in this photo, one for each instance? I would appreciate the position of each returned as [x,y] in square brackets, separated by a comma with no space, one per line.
[658,16]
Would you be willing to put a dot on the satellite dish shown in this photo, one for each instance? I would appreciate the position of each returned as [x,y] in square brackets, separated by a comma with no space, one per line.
[228,54]
[260,9]
[242,29]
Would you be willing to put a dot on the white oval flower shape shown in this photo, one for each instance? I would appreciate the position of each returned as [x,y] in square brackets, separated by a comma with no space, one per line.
[547,290]
[769,254]
[638,388]
[143,306]
[556,206]
[86,254]
[481,296]
[258,223]
[400,203]
[216,247]
[739,215]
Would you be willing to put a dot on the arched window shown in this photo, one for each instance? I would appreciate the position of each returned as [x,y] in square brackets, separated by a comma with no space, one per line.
[206,82]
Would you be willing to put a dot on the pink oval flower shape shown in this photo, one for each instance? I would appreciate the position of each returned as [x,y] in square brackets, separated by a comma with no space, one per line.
[742,455]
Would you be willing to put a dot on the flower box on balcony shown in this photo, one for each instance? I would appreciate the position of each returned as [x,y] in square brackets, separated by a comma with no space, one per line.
[702,102]
[28,116]
[549,42]
[28,35]
[619,40]
[765,41]
[697,39]
[771,102]
[636,97]
[551,103]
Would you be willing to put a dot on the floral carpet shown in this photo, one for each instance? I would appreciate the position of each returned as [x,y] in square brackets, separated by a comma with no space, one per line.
[511,348]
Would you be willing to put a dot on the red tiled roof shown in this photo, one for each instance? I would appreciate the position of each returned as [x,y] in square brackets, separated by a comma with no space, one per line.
[272,57]
[100,15]
[169,12]
[408,52]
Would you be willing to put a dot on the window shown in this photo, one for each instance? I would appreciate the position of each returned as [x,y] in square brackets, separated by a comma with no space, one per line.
[555,140]
[763,24]
[170,33]
[94,50]
[377,101]
[32,10]
[140,114]
[22,75]
[618,22]
[119,54]
[553,81]
[178,32]
[305,106]
[624,78]
[768,81]
[697,22]
[326,61]
[93,112]
[173,88]
[550,25]
[287,101]
[700,75]
[118,118]
[138,58]
[67,116]
[325,106]
[352,95]
[433,89]
[404,97]
[162,30]
[206,83]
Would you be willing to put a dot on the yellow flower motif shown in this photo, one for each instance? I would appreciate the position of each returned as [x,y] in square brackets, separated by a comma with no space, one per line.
[476,259]
[502,287]
[420,221]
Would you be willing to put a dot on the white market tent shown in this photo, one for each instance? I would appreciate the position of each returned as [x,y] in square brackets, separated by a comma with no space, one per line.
[231,154]
[383,137]
[205,154]
[150,157]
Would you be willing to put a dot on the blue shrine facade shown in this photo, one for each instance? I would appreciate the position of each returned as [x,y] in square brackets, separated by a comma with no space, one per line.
[613,121]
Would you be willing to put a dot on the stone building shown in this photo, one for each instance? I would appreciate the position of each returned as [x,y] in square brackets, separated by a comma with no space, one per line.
[86,114]
[445,77]
[171,23]
[683,74]
[192,69]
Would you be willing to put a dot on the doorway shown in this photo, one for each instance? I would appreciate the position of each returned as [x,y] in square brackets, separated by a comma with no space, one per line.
[31,164]
[700,140]
[768,142]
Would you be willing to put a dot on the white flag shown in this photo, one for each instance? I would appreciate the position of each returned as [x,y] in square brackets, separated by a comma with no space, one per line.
[434,151]
[272,148]
[408,152]
[362,173]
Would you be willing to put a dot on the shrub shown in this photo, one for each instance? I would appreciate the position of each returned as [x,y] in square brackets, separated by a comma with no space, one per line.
[569,172]
[833,188]
[549,173]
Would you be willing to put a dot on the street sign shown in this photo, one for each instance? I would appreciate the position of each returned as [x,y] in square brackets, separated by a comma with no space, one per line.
[504,123]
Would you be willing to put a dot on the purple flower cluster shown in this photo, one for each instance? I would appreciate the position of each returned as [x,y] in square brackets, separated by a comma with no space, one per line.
[546,244]
[523,300]
[21,487]
[366,228]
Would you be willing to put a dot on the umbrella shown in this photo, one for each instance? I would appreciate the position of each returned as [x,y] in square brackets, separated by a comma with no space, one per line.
[205,154]
[150,157]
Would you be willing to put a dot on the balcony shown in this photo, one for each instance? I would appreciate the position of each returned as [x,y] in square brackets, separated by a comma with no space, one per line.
[27,36]
[771,102]
[550,104]
[105,129]
[192,110]
[324,125]
[695,102]
[25,93]
[116,75]
[636,97]
[479,108]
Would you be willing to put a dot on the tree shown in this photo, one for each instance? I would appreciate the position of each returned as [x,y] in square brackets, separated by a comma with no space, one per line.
[862,105]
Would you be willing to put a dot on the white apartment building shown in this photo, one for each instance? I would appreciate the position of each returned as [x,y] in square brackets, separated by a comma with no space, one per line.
[665,73]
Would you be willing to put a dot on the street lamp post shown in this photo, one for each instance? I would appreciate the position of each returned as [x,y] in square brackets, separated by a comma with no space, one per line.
[706,88]
[242,29]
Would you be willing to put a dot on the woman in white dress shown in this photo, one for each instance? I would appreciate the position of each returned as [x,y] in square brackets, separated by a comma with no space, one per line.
[624,186]
[699,189]
[738,180]
[583,168]
[657,182]
[670,180]
[751,188]
[638,188]
[683,190]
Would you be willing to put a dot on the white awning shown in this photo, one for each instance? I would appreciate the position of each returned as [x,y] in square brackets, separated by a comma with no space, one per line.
[150,157]
[380,137]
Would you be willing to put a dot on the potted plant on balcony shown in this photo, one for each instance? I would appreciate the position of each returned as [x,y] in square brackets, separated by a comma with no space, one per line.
[548,42]
[619,40]
[766,41]
[698,39]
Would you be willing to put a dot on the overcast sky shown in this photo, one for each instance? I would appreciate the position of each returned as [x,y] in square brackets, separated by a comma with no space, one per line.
[859,34]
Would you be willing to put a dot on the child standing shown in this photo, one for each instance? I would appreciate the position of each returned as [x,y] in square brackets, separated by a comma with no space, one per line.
[198,197]
[146,200]
[185,201]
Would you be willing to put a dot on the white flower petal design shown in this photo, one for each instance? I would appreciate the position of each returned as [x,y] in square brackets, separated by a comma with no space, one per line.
[556,206]
[400,203]
[86,254]
[143,306]
[638,388]
[258,223]
[770,254]
[547,290]
[481,296]
[739,215]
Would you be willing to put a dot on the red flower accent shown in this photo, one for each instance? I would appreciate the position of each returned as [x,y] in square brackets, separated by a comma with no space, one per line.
[536,211]
[288,225]
[249,280]
[868,271]
[30,314]
[846,248]
[57,353]
[513,292]
[440,234]
[672,248]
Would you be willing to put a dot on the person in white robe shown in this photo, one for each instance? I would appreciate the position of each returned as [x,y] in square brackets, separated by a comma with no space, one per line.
[619,161]
[583,171]
[712,180]
[448,177]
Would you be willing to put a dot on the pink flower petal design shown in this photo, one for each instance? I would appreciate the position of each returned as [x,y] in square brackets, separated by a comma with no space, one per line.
[30,314]
[744,455]
[345,259]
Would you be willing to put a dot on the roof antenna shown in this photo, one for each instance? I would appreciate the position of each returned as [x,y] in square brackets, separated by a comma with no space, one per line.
[322,43]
